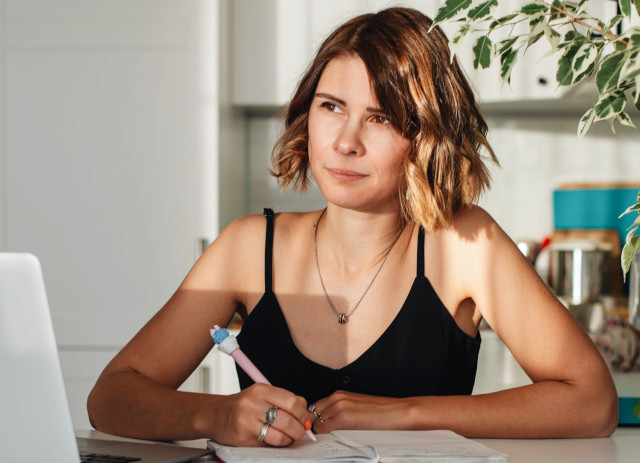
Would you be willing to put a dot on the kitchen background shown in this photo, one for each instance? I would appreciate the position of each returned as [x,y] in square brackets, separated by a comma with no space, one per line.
[132,131]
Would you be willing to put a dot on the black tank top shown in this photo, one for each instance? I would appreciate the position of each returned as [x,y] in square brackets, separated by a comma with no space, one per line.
[422,352]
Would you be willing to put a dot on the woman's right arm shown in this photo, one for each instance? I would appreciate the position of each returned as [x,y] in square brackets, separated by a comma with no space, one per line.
[136,395]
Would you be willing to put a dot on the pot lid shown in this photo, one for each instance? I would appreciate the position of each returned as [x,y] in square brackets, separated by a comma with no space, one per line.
[581,245]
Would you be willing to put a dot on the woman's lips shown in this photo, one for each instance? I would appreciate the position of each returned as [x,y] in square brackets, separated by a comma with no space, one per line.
[346,176]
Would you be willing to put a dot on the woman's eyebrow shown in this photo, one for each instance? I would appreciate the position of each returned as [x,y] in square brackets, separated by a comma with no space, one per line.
[328,96]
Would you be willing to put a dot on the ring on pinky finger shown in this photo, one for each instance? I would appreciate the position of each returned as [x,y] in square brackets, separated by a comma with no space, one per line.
[263,432]
[276,437]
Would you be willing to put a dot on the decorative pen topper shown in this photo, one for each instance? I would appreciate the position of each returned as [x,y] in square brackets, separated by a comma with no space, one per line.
[228,344]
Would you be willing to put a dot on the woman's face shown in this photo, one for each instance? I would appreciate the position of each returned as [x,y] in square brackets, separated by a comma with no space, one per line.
[355,153]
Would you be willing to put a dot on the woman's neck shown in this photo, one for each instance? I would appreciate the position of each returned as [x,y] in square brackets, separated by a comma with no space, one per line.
[356,240]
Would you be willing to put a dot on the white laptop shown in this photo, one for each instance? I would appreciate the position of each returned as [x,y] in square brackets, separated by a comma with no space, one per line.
[35,422]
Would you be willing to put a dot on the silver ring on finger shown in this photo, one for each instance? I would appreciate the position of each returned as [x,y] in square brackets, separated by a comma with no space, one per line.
[270,415]
[312,409]
[263,432]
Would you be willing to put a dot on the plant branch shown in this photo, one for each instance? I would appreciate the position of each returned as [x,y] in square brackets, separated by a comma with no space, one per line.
[574,19]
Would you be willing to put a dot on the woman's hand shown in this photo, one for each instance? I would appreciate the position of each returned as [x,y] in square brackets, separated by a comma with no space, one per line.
[348,410]
[238,419]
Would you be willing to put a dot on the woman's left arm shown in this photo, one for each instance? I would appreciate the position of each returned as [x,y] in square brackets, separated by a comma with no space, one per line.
[572,394]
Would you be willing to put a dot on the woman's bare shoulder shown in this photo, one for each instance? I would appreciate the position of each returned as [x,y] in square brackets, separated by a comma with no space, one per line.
[228,261]
[472,225]
[293,222]
[247,234]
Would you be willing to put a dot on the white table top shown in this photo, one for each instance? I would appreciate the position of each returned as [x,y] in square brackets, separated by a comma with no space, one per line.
[622,447]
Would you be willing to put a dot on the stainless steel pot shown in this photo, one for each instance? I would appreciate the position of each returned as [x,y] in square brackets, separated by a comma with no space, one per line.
[579,270]
[634,292]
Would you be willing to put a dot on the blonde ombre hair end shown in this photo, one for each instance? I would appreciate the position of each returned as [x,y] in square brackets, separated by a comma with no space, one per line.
[429,101]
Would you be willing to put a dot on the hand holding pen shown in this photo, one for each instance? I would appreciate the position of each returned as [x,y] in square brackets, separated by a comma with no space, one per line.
[229,345]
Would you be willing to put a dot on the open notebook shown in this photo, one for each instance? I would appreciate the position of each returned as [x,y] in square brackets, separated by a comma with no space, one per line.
[35,422]
[369,446]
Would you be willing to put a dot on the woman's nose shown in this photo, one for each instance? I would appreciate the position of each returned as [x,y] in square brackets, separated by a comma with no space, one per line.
[349,139]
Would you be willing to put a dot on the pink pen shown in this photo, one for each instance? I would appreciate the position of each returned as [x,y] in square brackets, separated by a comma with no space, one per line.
[228,344]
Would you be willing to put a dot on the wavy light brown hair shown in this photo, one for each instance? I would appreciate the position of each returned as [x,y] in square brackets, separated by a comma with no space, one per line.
[428,100]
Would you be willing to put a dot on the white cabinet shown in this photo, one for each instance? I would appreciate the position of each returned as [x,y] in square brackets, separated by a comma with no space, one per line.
[109,159]
[274,41]
[80,369]
[270,47]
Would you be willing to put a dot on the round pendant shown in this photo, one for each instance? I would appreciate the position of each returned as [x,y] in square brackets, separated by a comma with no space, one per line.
[342,318]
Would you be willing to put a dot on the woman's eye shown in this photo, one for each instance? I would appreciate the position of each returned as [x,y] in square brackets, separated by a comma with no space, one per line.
[330,106]
[379,119]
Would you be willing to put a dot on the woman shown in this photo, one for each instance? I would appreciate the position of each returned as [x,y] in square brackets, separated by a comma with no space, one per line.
[367,311]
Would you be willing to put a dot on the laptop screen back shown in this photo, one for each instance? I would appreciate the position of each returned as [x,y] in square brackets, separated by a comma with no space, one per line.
[35,422]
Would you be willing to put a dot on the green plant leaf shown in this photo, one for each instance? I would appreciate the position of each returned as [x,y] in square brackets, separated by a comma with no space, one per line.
[582,6]
[636,3]
[537,24]
[507,61]
[631,231]
[634,38]
[613,22]
[553,37]
[564,75]
[624,119]
[503,20]
[505,45]
[625,7]
[570,43]
[585,122]
[584,75]
[573,35]
[556,10]
[635,225]
[627,254]
[585,56]
[464,30]
[572,7]
[634,207]
[609,72]
[482,52]
[482,10]
[630,69]
[534,8]
[450,9]
[610,106]
[534,38]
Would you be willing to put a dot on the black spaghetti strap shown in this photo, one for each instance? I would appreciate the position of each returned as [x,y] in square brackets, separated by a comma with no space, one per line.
[420,257]
[268,251]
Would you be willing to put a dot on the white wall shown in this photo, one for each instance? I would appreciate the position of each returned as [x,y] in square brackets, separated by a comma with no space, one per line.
[108,160]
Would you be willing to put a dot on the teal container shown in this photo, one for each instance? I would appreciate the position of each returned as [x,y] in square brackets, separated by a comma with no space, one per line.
[595,208]
[629,411]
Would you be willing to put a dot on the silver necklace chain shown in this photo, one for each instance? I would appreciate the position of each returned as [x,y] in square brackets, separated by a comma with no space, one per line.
[342,317]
